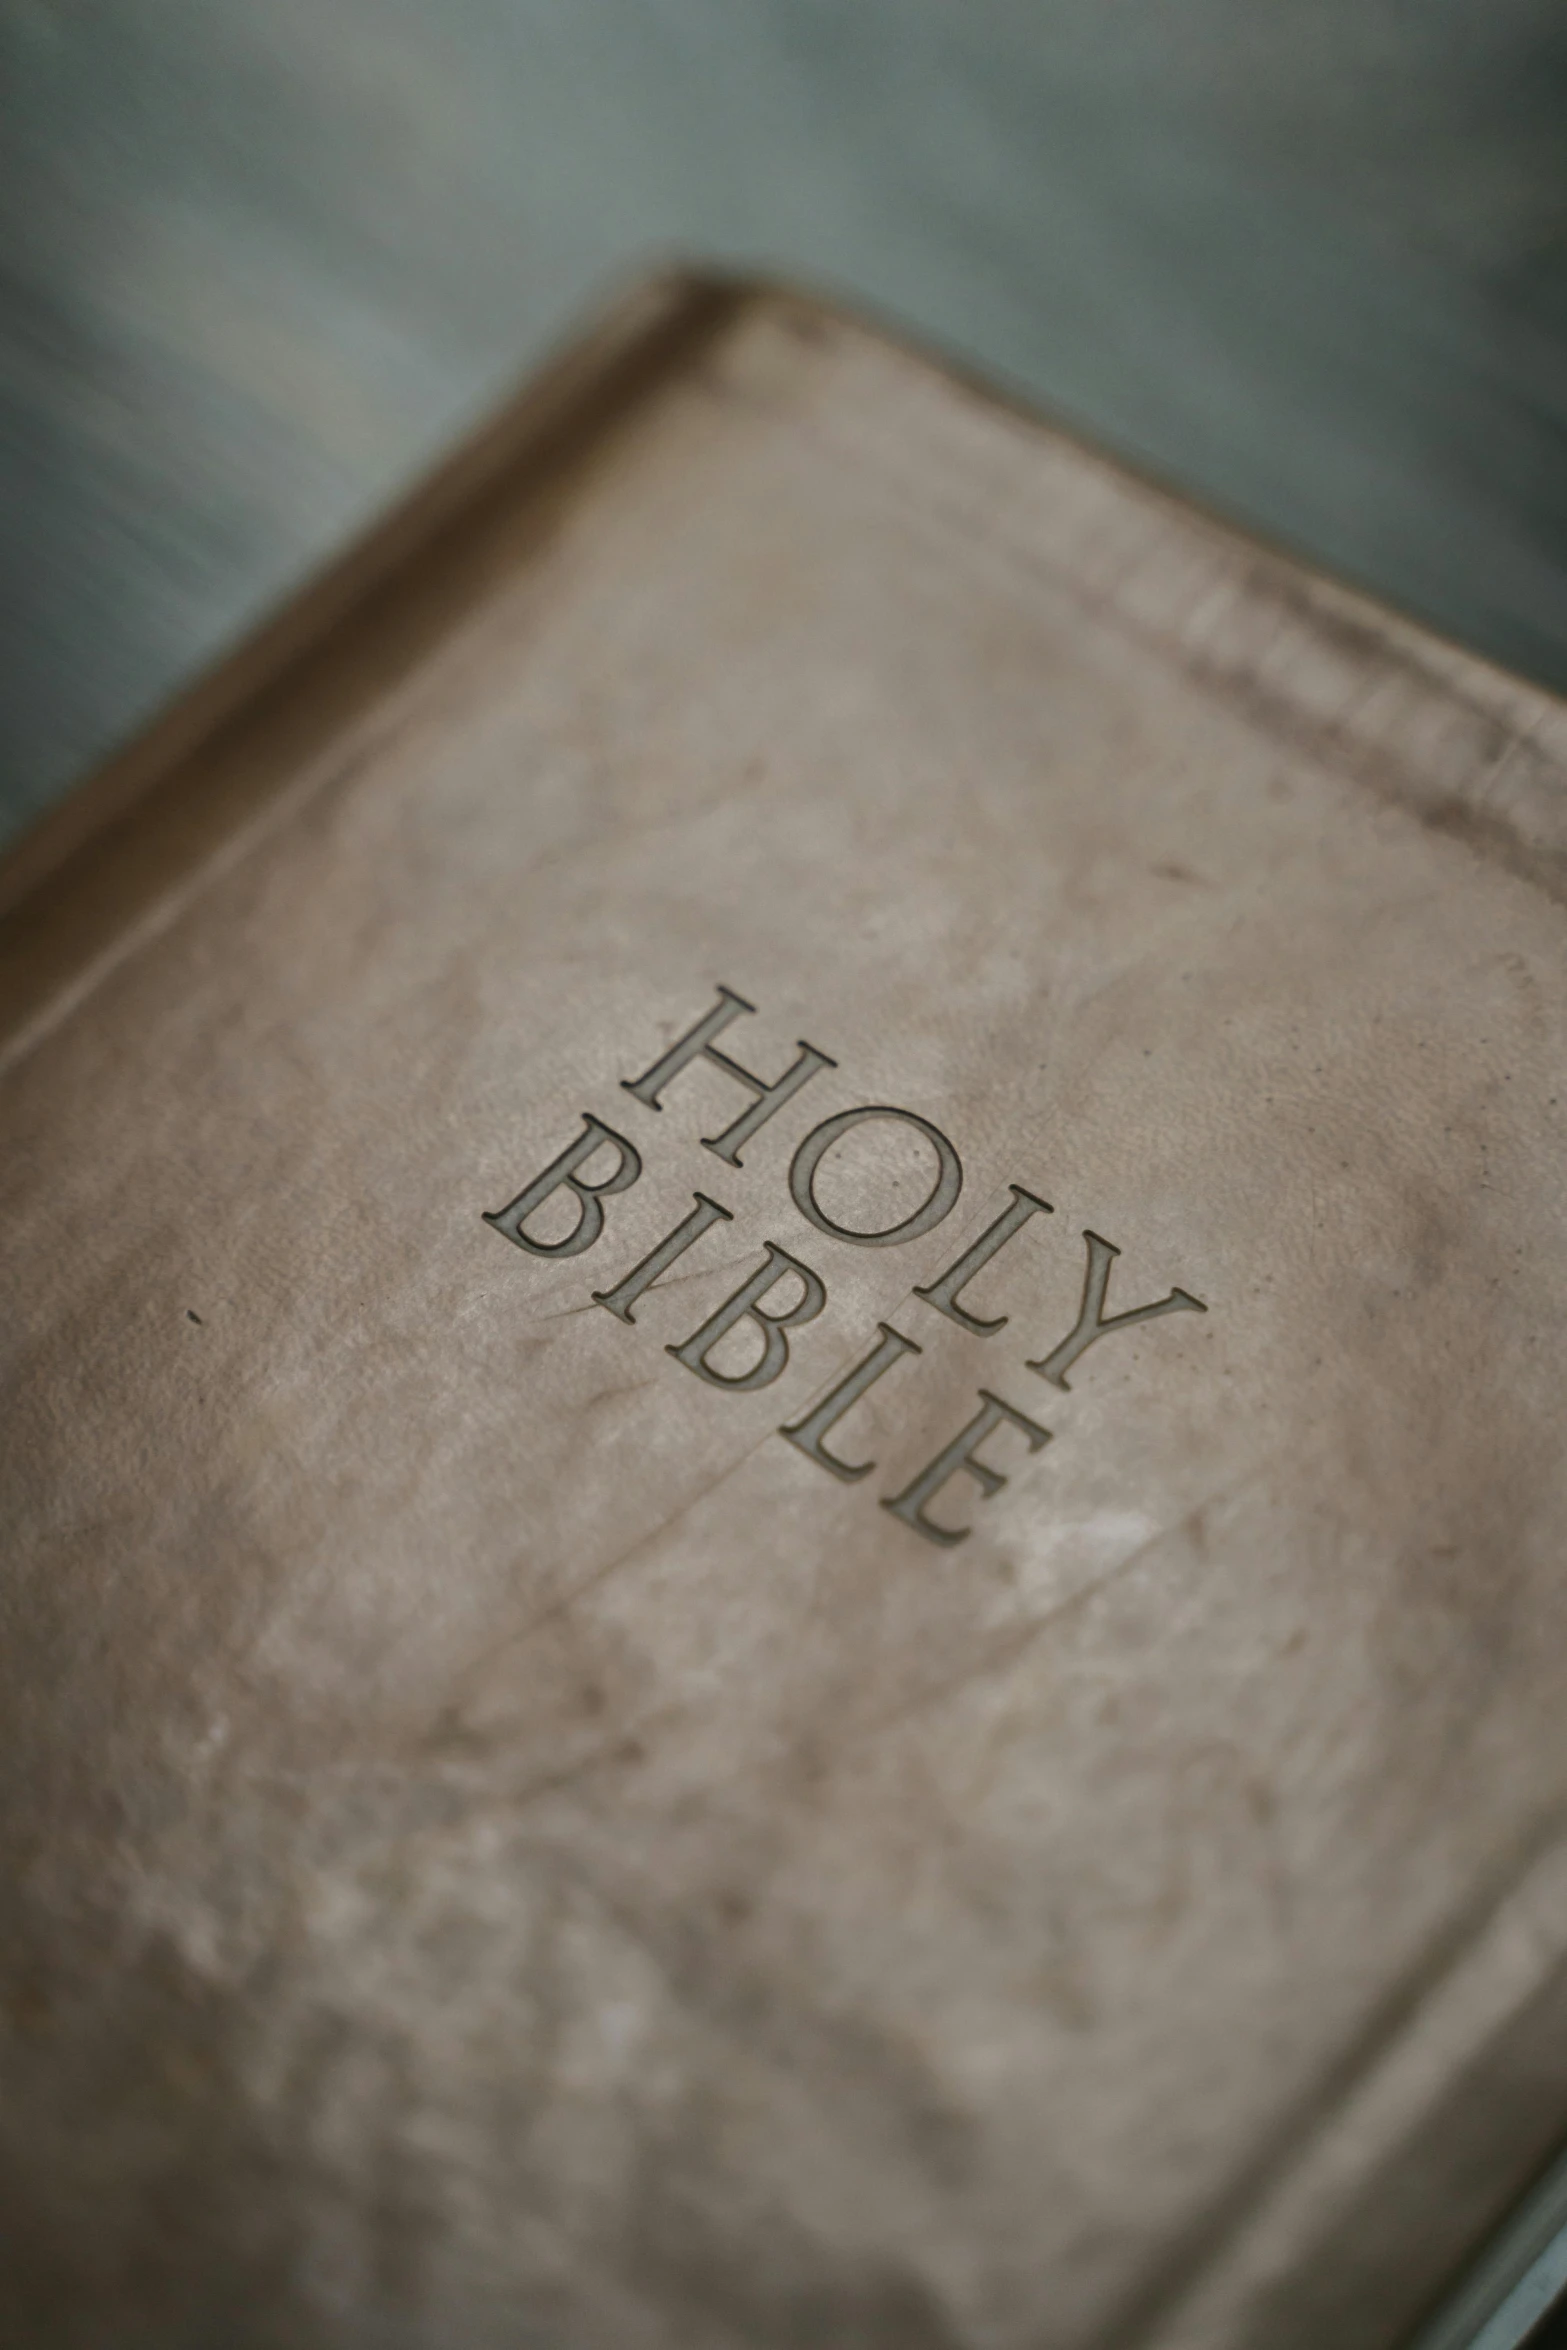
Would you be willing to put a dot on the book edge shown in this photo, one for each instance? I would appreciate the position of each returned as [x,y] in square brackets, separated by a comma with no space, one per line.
[1278,629]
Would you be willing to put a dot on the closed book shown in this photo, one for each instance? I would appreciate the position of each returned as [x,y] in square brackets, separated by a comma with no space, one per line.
[786,1310]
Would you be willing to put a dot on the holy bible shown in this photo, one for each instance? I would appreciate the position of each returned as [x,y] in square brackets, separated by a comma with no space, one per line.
[786,1316]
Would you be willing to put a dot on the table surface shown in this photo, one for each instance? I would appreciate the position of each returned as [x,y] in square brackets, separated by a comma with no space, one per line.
[259,264]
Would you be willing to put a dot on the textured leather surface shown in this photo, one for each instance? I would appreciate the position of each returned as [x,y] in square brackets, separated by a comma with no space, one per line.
[502,1849]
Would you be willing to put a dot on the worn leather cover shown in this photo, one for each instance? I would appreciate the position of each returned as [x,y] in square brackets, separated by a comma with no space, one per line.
[503,1847]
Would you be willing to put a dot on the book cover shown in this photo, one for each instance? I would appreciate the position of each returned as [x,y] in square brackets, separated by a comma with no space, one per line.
[784,1492]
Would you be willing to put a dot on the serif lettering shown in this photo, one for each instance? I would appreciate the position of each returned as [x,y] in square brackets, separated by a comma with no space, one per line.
[784,1291]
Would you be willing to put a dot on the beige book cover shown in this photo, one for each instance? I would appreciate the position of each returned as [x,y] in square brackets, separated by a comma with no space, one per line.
[784,1490]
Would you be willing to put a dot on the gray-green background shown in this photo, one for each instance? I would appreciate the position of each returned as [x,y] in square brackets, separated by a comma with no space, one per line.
[261,258]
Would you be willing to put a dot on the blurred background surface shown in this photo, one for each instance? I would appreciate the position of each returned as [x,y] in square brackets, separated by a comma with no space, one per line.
[261,259]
